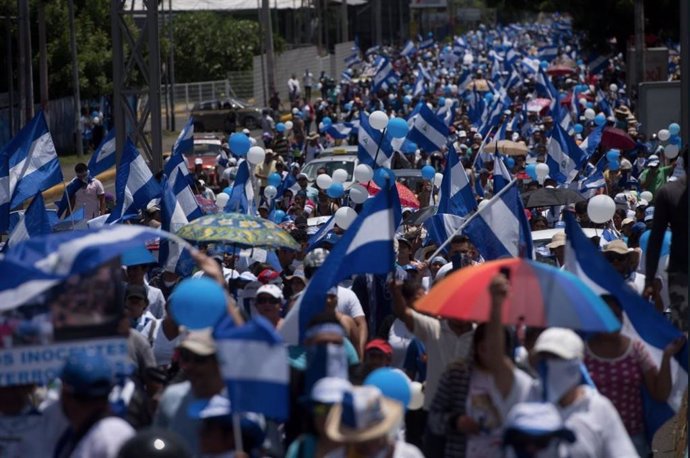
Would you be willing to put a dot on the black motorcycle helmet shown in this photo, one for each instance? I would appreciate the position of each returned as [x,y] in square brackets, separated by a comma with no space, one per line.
[155,443]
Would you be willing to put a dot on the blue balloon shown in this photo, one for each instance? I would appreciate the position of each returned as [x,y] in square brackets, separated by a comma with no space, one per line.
[613,155]
[673,129]
[577,128]
[447,90]
[407,100]
[278,216]
[327,122]
[509,162]
[489,96]
[531,170]
[335,190]
[675,140]
[348,106]
[392,383]
[274,179]
[441,101]
[614,165]
[397,128]
[198,303]
[239,143]
[600,119]
[428,172]
[280,127]
[589,105]
[384,177]
[543,64]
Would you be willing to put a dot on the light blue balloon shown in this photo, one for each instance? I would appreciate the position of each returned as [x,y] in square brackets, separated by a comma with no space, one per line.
[509,162]
[327,122]
[278,216]
[544,64]
[600,119]
[489,96]
[531,170]
[428,172]
[613,155]
[348,106]
[274,179]
[280,127]
[197,303]
[392,383]
[673,129]
[447,90]
[407,100]
[397,128]
[614,165]
[589,105]
[335,190]
[577,128]
[384,176]
[441,101]
[239,143]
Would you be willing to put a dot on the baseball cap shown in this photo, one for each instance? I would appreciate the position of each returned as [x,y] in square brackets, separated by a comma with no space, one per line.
[87,374]
[135,291]
[648,214]
[268,276]
[272,290]
[561,342]
[200,342]
[625,164]
[627,221]
[621,198]
[616,246]
[330,390]
[405,241]
[381,345]
[245,131]
[653,161]
[557,240]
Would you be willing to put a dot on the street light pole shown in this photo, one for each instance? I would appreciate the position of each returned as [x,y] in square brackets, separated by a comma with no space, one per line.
[75,81]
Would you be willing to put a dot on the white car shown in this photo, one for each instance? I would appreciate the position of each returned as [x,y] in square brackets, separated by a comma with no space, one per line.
[542,238]
[331,159]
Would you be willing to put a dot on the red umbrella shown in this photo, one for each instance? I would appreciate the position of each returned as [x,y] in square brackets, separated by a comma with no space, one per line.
[560,70]
[407,197]
[616,138]
[540,106]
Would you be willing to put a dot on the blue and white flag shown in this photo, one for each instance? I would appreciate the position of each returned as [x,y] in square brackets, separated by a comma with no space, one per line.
[564,157]
[501,228]
[171,255]
[424,72]
[353,59]
[104,157]
[419,86]
[135,185]
[383,72]
[441,226]
[28,165]
[366,247]
[641,320]
[340,130]
[321,233]
[529,66]
[548,52]
[242,196]
[19,283]
[512,57]
[34,222]
[409,49]
[77,220]
[502,176]
[427,130]
[598,65]
[183,145]
[591,184]
[369,141]
[590,144]
[425,43]
[254,365]
[545,88]
[456,196]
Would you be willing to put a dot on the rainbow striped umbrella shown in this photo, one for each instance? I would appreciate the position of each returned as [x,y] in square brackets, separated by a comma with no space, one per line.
[540,295]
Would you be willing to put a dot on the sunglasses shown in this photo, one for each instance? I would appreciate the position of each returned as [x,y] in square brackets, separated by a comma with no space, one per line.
[187,356]
[615,257]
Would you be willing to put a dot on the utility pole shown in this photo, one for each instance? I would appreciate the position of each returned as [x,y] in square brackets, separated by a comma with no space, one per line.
[639,44]
[171,66]
[685,71]
[42,55]
[9,55]
[343,21]
[75,81]
[268,30]
[377,22]
[26,84]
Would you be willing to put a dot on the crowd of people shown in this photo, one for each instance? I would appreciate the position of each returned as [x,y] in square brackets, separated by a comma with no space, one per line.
[475,389]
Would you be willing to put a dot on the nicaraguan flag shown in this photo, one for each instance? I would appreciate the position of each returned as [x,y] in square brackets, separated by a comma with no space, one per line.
[548,52]
[590,144]
[135,185]
[242,196]
[425,43]
[456,196]
[171,256]
[419,86]
[529,66]
[369,141]
[183,145]
[383,72]
[20,283]
[409,49]
[424,72]
[492,119]
[441,226]
[34,222]
[500,228]
[339,130]
[185,197]
[321,233]
[564,157]
[598,64]
[28,165]
[512,57]
[641,320]
[502,176]
[353,59]
[427,130]
[254,365]
[365,248]
[104,157]
[545,88]
[77,220]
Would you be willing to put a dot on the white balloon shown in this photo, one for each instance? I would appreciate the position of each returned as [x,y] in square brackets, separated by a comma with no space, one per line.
[256,155]
[323,181]
[340,175]
[613,87]
[378,120]
[438,178]
[590,114]
[270,192]
[363,173]
[583,101]
[288,125]
[252,141]
[358,194]
[449,103]
[664,135]
[321,127]
[222,199]
[417,396]
[541,170]
[671,151]
[601,208]
[646,195]
[344,216]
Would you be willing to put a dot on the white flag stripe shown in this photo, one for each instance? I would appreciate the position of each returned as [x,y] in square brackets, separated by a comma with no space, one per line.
[41,152]
[378,227]
[14,297]
[272,367]
[504,225]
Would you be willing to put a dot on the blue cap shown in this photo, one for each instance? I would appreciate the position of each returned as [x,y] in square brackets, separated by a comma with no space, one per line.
[648,214]
[87,374]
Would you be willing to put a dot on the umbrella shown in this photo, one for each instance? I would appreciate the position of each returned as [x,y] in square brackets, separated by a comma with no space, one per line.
[616,138]
[480,85]
[407,197]
[548,197]
[508,147]
[239,230]
[540,106]
[560,70]
[420,216]
[540,295]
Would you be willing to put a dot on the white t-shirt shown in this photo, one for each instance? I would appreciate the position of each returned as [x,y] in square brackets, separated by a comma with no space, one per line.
[156,301]
[104,439]
[87,197]
[162,347]
[443,347]
[399,337]
[348,303]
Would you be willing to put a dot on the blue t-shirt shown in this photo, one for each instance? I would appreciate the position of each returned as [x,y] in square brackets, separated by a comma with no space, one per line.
[415,360]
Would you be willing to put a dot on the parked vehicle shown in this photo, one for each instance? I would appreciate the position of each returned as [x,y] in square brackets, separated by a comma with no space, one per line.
[224,115]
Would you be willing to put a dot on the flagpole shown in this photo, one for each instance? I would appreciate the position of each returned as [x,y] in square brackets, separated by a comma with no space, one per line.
[237,433]
[69,201]
[481,147]
[471,217]
[378,146]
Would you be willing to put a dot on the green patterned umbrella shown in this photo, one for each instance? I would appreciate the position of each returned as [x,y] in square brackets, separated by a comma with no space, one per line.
[238,229]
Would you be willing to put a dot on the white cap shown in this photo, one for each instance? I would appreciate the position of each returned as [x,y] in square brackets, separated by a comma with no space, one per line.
[272,290]
[330,390]
[652,161]
[245,131]
[198,161]
[561,342]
